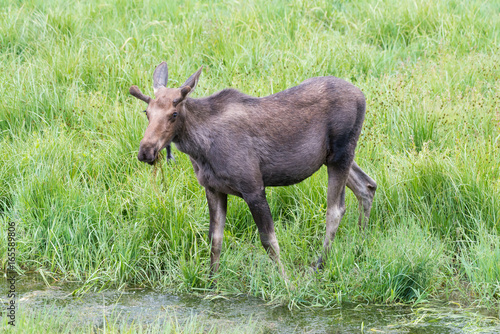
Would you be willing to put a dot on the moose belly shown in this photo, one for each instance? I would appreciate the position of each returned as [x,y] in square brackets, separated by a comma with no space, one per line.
[291,168]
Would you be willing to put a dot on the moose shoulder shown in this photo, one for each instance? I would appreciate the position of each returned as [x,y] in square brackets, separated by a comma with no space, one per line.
[239,144]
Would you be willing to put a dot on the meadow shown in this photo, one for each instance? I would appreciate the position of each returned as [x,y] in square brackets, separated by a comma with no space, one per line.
[86,210]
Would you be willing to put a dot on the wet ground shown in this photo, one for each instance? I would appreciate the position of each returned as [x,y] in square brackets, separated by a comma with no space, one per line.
[146,306]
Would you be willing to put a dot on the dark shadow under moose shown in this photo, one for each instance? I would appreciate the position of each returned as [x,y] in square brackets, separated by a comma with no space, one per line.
[240,144]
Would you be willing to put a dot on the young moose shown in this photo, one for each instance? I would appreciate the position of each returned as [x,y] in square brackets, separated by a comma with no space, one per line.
[239,144]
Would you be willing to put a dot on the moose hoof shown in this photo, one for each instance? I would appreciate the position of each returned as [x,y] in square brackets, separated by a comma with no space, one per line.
[319,265]
[212,285]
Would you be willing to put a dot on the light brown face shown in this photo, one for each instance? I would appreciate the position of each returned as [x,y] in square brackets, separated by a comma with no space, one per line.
[163,114]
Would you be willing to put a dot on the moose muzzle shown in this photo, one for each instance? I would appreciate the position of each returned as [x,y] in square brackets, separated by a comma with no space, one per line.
[147,153]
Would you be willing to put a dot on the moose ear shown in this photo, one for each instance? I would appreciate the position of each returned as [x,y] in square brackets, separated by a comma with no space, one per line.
[192,80]
[160,76]
[185,90]
[136,92]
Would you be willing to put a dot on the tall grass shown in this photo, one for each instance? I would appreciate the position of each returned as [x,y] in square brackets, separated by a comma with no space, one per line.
[480,262]
[87,210]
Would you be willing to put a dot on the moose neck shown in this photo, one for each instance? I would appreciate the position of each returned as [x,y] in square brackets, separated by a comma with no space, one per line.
[192,136]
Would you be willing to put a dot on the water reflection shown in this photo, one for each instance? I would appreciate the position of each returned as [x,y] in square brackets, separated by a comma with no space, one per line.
[146,306]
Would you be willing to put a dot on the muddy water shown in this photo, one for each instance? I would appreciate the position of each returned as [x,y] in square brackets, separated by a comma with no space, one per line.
[146,306]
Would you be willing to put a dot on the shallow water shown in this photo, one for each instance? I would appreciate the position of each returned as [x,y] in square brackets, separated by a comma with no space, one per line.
[146,306]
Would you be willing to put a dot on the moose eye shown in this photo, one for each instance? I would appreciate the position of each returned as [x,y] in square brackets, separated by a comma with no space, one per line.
[174,114]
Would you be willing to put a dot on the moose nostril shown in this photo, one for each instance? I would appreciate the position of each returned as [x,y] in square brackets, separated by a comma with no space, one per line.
[141,156]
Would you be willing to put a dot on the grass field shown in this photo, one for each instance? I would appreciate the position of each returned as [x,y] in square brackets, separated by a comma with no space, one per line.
[87,210]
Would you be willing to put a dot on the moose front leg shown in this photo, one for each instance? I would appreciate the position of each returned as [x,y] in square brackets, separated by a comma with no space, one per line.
[169,154]
[261,214]
[217,207]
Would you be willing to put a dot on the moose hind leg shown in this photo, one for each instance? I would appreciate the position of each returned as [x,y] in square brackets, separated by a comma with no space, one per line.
[364,188]
[261,214]
[337,178]
[217,207]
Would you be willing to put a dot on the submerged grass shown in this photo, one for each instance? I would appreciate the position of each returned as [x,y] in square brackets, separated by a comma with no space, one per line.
[63,321]
[87,210]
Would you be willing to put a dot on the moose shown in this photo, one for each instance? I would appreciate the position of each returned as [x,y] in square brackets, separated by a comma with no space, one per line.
[240,144]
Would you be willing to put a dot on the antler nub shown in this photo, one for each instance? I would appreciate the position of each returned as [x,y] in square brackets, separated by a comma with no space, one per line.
[135,91]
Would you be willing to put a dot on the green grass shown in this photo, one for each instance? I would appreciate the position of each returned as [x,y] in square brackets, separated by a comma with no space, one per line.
[53,320]
[87,210]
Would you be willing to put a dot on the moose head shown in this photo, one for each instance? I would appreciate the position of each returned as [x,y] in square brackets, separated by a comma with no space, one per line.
[164,112]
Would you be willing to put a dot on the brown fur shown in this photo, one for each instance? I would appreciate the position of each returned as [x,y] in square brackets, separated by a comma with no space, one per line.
[239,144]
